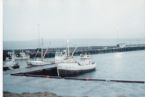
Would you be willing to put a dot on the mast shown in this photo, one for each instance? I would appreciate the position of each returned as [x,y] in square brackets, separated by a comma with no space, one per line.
[40,42]
[42,50]
[46,50]
[67,47]
[74,51]
[13,55]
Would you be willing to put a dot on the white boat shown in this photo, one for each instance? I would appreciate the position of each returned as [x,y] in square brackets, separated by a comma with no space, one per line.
[9,65]
[71,67]
[33,63]
[60,57]
[40,62]
[22,56]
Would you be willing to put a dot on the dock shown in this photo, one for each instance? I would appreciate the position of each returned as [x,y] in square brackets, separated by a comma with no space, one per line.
[51,72]
[31,74]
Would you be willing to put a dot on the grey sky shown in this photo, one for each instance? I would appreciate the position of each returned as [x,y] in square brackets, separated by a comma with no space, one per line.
[64,19]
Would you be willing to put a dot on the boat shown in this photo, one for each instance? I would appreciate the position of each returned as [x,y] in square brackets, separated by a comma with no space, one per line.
[41,61]
[22,56]
[11,64]
[60,56]
[71,67]
[34,63]
[38,62]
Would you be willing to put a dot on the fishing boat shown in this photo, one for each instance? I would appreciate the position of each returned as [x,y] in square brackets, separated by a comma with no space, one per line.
[71,67]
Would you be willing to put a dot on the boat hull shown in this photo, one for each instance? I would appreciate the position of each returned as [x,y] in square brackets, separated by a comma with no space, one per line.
[71,73]
[15,66]
[6,68]
[37,63]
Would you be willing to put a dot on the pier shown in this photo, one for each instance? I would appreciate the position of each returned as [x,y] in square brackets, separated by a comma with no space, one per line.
[79,50]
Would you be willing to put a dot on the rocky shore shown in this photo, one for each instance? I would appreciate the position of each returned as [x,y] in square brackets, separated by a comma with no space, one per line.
[38,94]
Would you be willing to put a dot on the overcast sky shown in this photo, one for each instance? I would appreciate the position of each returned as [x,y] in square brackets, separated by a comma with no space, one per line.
[68,19]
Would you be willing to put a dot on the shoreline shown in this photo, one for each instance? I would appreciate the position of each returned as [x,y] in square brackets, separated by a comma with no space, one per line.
[27,94]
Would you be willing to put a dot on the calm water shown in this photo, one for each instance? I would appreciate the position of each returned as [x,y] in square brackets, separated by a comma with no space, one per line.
[123,66]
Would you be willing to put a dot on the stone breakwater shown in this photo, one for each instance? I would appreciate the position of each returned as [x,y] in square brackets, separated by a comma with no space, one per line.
[80,50]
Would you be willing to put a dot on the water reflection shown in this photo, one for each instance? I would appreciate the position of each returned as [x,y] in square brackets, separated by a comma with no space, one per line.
[118,62]
[118,55]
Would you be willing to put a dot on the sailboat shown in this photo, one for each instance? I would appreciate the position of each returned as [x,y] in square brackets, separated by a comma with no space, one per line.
[71,67]
[41,62]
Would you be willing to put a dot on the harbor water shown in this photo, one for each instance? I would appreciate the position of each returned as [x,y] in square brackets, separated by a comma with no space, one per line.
[110,66]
